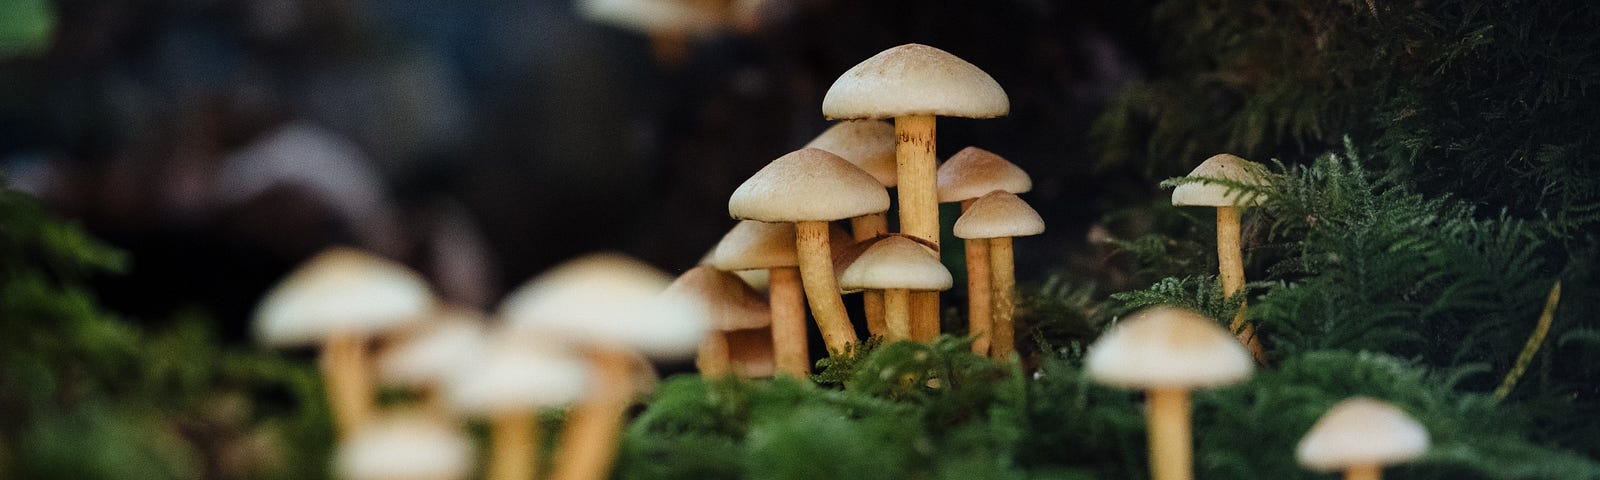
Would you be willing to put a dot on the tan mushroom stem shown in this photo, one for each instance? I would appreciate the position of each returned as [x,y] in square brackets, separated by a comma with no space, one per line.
[822,290]
[1364,472]
[1230,262]
[1171,445]
[1002,265]
[589,439]
[979,298]
[897,313]
[714,359]
[863,228]
[788,304]
[916,173]
[344,368]
[514,444]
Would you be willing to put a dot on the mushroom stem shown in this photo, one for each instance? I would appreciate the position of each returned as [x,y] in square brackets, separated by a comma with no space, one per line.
[515,446]
[979,298]
[788,304]
[344,361]
[863,228]
[1230,262]
[1001,329]
[916,167]
[822,290]
[897,310]
[1171,445]
[714,359]
[589,439]
[1363,472]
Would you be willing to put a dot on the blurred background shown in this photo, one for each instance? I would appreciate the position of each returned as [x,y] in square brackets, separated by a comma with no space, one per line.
[221,142]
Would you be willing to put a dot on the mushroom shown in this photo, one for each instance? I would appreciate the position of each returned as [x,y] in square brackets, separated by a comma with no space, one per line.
[997,217]
[912,83]
[609,306]
[423,358]
[669,23]
[405,446]
[1168,351]
[508,382]
[338,299]
[811,187]
[770,247]
[752,353]
[967,175]
[1228,199]
[897,265]
[732,306]
[1360,435]
[870,145]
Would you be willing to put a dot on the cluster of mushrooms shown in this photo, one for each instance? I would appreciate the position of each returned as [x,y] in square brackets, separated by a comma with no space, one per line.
[580,336]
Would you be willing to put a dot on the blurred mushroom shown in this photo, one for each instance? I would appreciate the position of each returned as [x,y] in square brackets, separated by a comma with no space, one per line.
[1360,435]
[770,247]
[424,357]
[405,446]
[967,175]
[870,145]
[997,217]
[508,382]
[897,265]
[669,23]
[1228,199]
[732,306]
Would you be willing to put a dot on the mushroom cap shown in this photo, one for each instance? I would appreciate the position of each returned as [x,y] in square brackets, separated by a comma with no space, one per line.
[998,214]
[753,245]
[914,79]
[1168,347]
[1361,431]
[341,291]
[607,299]
[656,16]
[973,172]
[405,445]
[731,303]
[869,144]
[428,354]
[1224,167]
[511,376]
[808,185]
[896,262]
[751,352]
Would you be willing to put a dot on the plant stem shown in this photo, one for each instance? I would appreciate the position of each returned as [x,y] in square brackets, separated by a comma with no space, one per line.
[822,289]
[1532,347]
[1230,263]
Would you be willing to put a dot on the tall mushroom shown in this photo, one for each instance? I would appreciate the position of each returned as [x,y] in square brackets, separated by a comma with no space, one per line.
[405,446]
[912,83]
[508,382]
[339,299]
[897,265]
[811,187]
[967,175]
[1228,198]
[609,306]
[732,306]
[1168,351]
[1360,435]
[870,145]
[996,218]
[753,245]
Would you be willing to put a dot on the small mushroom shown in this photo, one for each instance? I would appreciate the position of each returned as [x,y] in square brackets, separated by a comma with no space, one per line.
[1360,435]
[405,446]
[339,299]
[911,84]
[811,187]
[508,381]
[670,24]
[732,306]
[423,358]
[967,175]
[770,247]
[1228,200]
[870,145]
[997,217]
[1168,351]
[897,265]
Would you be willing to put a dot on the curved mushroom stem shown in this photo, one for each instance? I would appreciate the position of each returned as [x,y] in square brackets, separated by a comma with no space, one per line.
[916,167]
[864,228]
[1002,329]
[788,304]
[979,298]
[515,446]
[1363,472]
[897,310]
[589,439]
[1171,445]
[1230,262]
[344,369]
[822,290]
[714,359]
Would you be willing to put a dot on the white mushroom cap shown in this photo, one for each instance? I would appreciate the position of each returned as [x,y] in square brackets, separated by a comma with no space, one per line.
[405,446]
[974,172]
[896,262]
[1223,167]
[808,185]
[1361,431]
[914,79]
[998,214]
[607,299]
[341,291]
[656,16]
[869,144]
[754,245]
[430,353]
[510,376]
[731,304]
[1168,347]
